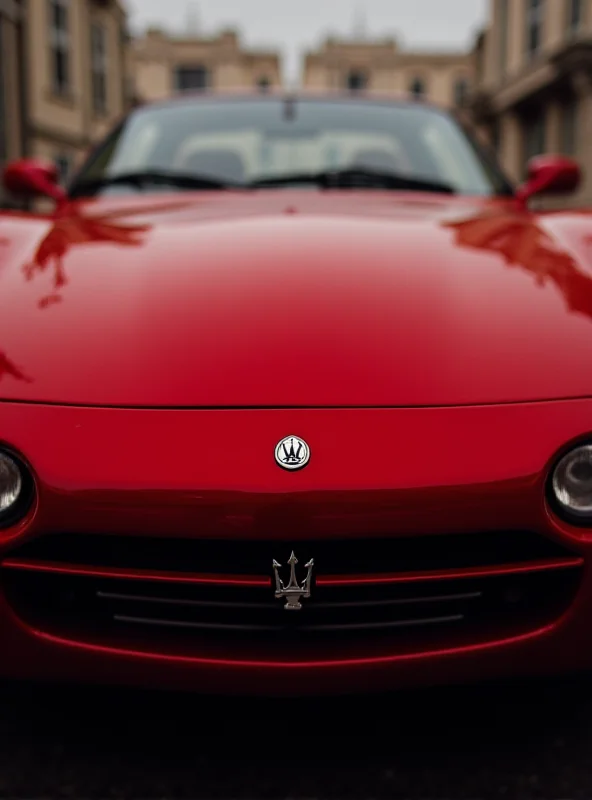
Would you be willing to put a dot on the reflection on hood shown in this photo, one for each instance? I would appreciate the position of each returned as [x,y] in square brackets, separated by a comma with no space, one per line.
[522,243]
[9,369]
[68,232]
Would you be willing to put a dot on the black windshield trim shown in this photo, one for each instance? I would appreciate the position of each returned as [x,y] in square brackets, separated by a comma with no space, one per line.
[159,177]
[356,178]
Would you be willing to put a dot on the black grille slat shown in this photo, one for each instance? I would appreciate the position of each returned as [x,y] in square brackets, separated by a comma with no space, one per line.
[176,623]
[254,557]
[403,623]
[404,601]
[348,606]
[131,598]
[373,626]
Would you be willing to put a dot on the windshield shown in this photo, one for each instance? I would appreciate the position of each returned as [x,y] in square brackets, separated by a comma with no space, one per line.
[242,141]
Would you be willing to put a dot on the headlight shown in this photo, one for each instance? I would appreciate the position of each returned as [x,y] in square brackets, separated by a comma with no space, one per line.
[17,489]
[11,483]
[572,483]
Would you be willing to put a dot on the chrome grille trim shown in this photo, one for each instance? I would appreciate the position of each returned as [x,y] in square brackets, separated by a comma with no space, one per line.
[405,623]
[132,598]
[444,598]
[172,623]
[374,626]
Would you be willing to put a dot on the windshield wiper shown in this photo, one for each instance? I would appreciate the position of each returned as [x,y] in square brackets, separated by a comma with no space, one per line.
[350,178]
[178,180]
[355,178]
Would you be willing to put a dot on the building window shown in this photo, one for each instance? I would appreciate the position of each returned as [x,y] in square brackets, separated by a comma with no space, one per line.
[574,15]
[535,139]
[461,91]
[503,35]
[356,82]
[129,90]
[569,127]
[98,56]
[535,14]
[263,84]
[417,88]
[496,138]
[191,79]
[480,61]
[59,43]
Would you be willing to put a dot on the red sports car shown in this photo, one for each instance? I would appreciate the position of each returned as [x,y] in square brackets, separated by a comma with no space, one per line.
[296,396]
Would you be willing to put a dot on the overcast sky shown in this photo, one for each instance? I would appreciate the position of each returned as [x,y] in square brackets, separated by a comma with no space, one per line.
[295,25]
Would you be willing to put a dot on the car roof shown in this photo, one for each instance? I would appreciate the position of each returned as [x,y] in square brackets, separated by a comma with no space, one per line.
[245,95]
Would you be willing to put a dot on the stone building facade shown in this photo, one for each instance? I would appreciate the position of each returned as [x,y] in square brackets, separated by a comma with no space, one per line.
[163,65]
[534,83]
[63,77]
[382,66]
[12,128]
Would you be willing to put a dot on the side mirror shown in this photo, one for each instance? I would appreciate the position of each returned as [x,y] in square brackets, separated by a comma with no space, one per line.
[549,174]
[32,178]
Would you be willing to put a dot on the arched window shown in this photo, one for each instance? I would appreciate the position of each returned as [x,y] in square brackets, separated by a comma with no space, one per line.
[357,81]
[461,91]
[417,88]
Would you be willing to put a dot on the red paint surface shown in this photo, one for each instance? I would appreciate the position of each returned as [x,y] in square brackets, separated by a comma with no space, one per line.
[161,472]
[465,324]
[225,300]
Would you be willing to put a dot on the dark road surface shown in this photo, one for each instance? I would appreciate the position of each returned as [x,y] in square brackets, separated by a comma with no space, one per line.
[520,741]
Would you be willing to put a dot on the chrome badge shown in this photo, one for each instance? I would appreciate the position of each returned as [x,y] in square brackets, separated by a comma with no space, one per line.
[292,453]
[292,592]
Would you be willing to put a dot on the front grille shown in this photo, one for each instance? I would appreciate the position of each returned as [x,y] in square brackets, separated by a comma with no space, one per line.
[411,599]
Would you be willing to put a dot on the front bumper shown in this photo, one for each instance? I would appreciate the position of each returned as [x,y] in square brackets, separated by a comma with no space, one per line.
[374,474]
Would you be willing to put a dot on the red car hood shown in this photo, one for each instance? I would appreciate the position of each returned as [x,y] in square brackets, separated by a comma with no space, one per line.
[295,299]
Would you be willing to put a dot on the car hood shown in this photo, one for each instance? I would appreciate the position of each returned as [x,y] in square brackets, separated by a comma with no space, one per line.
[283,299]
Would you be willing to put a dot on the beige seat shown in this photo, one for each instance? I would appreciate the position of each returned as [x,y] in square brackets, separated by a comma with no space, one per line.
[380,160]
[223,164]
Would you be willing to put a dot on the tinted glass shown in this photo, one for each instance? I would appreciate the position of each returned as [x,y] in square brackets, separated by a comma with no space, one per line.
[247,140]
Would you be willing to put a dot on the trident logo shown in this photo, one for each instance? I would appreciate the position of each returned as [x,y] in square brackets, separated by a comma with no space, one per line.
[292,453]
[292,592]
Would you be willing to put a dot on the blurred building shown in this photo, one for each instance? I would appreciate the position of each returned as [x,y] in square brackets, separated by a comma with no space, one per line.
[163,65]
[362,64]
[76,82]
[534,82]
[11,81]
[62,76]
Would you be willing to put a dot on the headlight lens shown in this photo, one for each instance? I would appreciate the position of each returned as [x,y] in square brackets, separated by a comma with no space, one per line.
[11,483]
[572,482]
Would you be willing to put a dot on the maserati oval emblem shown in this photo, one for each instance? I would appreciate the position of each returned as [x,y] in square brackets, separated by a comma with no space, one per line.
[292,453]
